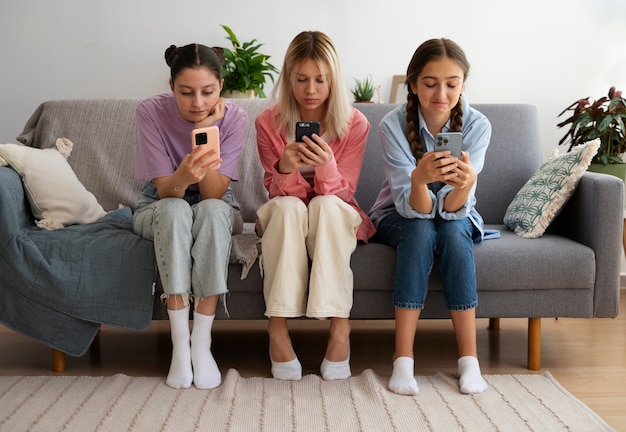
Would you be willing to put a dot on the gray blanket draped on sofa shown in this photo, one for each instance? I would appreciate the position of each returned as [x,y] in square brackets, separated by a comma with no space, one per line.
[60,286]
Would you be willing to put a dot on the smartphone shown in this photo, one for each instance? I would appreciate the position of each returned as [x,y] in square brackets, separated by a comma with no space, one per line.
[307,128]
[452,141]
[208,137]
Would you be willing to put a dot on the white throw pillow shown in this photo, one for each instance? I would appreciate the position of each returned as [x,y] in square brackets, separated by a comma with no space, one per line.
[57,198]
[543,196]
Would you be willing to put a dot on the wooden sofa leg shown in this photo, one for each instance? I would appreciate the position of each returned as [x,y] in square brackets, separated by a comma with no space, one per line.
[94,349]
[58,361]
[534,343]
[494,324]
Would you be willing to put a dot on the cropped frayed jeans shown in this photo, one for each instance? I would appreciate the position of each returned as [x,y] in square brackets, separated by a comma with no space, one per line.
[192,240]
[417,241]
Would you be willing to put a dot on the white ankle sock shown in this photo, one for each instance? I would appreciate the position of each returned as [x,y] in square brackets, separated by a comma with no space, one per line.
[402,380]
[335,370]
[470,378]
[180,375]
[290,370]
[206,374]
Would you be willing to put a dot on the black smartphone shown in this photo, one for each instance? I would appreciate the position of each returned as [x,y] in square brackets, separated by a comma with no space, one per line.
[452,141]
[307,128]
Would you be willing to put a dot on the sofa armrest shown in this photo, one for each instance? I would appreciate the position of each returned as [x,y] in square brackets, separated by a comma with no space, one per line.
[595,217]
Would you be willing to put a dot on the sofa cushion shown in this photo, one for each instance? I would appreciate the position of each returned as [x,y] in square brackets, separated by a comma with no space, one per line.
[543,196]
[56,196]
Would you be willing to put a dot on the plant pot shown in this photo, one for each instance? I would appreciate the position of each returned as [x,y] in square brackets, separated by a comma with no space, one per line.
[617,170]
[234,94]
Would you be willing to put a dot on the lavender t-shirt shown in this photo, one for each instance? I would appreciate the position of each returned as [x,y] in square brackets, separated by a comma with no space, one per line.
[164,138]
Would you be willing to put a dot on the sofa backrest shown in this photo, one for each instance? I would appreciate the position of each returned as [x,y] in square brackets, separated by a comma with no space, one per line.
[103,133]
[513,156]
[249,190]
[372,173]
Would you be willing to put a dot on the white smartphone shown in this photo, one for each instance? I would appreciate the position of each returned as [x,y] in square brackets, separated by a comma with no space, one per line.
[208,137]
[452,141]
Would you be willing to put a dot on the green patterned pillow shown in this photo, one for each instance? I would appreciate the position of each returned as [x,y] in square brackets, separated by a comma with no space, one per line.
[543,196]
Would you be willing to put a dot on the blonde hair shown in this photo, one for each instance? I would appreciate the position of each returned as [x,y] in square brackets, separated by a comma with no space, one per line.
[316,46]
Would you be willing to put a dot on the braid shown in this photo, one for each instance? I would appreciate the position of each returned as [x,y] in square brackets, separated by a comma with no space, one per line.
[412,118]
[456,117]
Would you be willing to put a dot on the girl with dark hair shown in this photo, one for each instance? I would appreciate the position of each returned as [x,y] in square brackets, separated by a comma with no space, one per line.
[426,205]
[186,205]
[312,213]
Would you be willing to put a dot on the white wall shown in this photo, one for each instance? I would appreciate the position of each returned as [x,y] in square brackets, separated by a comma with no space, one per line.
[547,53]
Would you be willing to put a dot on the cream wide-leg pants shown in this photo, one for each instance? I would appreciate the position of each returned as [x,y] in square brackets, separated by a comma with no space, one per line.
[290,233]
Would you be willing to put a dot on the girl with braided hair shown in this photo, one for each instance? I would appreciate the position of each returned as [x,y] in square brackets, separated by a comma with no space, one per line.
[186,205]
[426,206]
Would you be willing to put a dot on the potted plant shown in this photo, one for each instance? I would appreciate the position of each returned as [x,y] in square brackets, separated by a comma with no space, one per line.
[604,119]
[363,90]
[245,69]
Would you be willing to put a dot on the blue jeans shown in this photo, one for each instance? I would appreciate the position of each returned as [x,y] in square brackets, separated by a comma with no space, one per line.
[192,240]
[417,241]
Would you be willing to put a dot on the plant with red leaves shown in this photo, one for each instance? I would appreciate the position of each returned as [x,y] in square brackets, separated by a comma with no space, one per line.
[604,119]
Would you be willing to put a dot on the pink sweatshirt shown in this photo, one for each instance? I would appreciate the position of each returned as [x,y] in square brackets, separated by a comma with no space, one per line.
[338,177]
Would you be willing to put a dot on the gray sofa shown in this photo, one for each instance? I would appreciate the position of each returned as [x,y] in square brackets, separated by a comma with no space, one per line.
[572,271]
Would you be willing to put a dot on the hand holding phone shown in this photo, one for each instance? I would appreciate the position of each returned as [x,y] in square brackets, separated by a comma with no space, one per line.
[209,139]
[307,129]
[452,141]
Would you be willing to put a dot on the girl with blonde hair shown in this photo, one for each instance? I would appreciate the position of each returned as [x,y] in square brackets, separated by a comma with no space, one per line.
[312,214]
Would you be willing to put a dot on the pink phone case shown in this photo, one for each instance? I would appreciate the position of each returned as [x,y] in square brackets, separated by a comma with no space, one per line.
[208,137]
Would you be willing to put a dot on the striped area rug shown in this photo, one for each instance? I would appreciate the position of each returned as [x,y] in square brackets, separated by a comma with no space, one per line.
[360,403]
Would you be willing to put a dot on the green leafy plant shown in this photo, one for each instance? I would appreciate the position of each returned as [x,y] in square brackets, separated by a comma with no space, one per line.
[363,90]
[244,67]
[604,119]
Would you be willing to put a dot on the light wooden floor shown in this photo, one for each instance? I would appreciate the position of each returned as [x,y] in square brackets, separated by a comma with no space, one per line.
[587,356]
